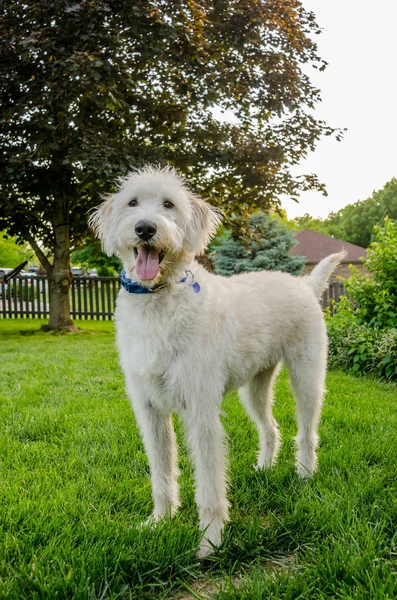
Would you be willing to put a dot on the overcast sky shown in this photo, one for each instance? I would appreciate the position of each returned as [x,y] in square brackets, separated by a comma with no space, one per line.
[359,92]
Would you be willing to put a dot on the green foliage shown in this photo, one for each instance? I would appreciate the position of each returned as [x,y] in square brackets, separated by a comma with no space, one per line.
[11,253]
[357,347]
[94,89]
[376,294]
[363,330]
[355,223]
[306,221]
[267,248]
[92,257]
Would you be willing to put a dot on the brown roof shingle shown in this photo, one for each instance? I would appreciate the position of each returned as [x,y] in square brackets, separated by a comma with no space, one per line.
[314,246]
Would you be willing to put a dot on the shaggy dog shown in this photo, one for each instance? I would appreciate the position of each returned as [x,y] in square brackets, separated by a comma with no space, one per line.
[186,337]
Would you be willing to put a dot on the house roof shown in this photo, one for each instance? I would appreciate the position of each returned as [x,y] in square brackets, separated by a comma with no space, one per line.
[314,246]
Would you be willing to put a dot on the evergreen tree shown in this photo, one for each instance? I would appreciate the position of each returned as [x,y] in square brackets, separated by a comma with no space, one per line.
[267,248]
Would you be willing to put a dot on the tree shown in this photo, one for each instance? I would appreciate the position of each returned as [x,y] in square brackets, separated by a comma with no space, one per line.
[306,221]
[91,256]
[11,253]
[355,223]
[93,88]
[267,248]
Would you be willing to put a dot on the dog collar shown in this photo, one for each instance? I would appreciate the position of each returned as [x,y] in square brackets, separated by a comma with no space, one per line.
[133,287]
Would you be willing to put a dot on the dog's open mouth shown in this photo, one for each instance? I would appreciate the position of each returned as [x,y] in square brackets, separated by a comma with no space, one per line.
[148,260]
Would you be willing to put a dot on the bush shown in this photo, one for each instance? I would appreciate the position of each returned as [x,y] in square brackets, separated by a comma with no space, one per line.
[363,331]
[360,348]
[375,294]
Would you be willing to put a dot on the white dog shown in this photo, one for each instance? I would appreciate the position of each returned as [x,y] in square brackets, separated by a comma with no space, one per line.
[186,337]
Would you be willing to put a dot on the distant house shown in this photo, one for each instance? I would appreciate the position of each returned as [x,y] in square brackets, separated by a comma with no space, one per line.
[314,246]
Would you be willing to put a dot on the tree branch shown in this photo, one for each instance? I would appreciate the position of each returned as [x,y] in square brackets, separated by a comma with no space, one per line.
[39,253]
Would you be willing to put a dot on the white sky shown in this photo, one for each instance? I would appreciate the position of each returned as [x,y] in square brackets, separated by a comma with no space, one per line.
[359,92]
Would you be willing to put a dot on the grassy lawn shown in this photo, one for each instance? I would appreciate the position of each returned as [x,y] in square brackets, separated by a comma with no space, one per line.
[75,486]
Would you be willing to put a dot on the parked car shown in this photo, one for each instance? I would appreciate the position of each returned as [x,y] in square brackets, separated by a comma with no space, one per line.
[92,273]
[16,290]
[3,272]
[77,271]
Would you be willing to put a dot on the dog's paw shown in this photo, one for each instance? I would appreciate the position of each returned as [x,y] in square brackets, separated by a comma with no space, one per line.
[305,472]
[307,466]
[212,537]
[205,549]
[264,465]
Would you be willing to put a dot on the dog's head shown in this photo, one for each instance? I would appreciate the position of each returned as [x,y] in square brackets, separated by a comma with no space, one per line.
[154,224]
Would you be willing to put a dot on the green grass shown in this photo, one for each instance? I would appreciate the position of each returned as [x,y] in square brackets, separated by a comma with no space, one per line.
[74,487]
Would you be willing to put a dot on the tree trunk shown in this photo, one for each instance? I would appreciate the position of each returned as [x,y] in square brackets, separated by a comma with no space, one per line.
[59,273]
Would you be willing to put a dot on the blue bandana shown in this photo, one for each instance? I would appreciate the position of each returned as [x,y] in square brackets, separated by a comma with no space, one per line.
[133,287]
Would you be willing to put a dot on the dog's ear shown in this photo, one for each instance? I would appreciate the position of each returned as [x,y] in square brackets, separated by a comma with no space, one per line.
[205,221]
[99,222]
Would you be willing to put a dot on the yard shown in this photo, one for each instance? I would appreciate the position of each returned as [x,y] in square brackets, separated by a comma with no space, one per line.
[75,487]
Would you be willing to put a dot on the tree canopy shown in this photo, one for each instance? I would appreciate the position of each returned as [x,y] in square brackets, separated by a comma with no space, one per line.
[91,256]
[355,223]
[11,253]
[93,88]
[306,221]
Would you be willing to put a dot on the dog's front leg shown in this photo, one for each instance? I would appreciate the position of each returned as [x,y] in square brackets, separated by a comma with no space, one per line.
[161,448]
[206,439]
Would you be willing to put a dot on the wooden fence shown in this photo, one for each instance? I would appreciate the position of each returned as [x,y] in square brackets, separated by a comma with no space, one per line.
[333,292]
[90,297]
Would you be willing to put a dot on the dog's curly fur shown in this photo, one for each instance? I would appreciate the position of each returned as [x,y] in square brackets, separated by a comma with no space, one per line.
[181,351]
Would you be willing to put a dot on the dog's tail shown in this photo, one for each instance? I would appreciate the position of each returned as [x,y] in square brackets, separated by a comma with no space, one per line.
[318,278]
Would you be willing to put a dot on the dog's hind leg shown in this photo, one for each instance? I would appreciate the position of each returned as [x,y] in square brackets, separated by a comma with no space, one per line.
[257,397]
[307,374]
[206,440]
[160,444]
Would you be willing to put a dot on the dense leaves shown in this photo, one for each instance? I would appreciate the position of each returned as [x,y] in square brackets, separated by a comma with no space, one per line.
[375,294]
[355,223]
[91,256]
[11,253]
[93,88]
[267,248]
[363,332]
[306,221]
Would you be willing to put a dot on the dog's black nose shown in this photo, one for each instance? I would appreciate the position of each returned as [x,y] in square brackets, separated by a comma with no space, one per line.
[145,230]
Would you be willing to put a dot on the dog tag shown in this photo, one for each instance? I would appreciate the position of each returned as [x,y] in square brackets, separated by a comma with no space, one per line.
[195,287]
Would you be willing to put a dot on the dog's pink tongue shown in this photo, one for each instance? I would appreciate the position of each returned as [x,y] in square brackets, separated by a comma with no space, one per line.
[147,263]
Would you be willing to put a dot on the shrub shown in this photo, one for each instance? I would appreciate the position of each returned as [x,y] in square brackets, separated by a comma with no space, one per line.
[363,331]
[360,348]
[375,294]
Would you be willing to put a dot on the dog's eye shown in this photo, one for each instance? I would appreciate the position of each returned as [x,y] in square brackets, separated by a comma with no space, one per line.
[133,202]
[168,204]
